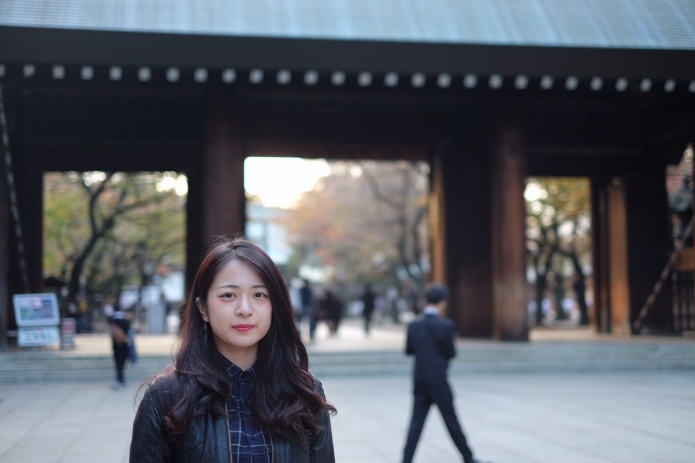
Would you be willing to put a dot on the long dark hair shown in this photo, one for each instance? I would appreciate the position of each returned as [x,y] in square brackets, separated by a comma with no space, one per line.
[284,400]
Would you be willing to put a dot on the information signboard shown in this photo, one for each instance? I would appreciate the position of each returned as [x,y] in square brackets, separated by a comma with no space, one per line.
[39,309]
[37,336]
[37,319]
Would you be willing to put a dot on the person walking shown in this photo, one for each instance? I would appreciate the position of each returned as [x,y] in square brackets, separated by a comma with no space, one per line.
[332,306]
[119,325]
[240,388]
[367,307]
[431,340]
[309,307]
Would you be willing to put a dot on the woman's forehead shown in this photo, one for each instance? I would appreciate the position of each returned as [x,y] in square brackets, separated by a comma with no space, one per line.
[238,271]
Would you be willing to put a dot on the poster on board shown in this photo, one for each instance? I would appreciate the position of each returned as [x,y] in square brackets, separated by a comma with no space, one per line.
[39,309]
[37,336]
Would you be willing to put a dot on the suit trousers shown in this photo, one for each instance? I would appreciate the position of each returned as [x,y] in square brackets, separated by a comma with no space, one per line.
[426,393]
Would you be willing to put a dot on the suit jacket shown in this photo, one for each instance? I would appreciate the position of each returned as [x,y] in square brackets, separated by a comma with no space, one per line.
[431,341]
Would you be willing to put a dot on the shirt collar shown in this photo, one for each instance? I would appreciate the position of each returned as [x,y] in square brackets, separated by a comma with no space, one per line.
[234,370]
[431,310]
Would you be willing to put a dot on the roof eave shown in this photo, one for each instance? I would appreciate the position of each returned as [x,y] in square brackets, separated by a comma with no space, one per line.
[91,47]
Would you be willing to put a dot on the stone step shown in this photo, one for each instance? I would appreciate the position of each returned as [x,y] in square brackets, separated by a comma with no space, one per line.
[43,366]
[92,368]
[522,357]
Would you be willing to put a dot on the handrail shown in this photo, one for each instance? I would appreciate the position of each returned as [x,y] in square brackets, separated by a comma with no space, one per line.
[637,324]
[14,208]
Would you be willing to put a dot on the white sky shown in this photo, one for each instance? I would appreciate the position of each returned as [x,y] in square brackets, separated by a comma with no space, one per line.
[278,182]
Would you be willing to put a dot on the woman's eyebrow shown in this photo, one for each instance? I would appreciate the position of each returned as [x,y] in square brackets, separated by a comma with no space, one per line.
[237,286]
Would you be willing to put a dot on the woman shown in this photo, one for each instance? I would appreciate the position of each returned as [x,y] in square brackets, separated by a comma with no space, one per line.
[240,389]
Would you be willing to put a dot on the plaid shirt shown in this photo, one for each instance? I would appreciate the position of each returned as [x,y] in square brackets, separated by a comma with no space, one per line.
[249,443]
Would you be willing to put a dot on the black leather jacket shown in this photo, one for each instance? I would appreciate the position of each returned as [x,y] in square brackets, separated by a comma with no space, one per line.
[207,438]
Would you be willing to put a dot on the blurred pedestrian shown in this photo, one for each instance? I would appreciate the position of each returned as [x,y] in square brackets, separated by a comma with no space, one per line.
[108,306]
[309,307]
[431,340]
[119,325]
[78,308]
[296,300]
[240,388]
[410,295]
[166,307]
[332,307]
[367,307]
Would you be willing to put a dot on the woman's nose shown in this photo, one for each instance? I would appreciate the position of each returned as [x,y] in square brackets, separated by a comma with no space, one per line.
[245,308]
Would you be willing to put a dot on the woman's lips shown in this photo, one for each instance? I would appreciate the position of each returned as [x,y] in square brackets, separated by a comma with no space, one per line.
[242,327]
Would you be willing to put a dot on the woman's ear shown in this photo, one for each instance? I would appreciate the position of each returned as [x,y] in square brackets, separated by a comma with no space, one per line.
[201,308]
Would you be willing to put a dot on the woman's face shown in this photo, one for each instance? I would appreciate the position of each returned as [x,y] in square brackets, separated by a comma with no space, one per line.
[239,312]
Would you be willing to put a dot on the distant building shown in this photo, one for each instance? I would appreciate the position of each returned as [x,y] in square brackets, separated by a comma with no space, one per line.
[264,227]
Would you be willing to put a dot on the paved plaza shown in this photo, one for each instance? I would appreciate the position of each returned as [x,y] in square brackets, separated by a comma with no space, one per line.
[509,417]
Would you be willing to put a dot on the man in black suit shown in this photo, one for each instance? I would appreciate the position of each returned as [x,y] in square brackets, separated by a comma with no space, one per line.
[431,341]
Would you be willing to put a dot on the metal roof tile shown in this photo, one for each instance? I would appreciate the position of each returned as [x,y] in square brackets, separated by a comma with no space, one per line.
[650,24]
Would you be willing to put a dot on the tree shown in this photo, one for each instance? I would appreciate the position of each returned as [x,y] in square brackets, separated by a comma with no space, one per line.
[407,200]
[558,240]
[95,220]
[366,220]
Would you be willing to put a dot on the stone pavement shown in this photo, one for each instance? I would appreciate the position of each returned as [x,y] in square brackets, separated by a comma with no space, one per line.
[630,417]
[544,416]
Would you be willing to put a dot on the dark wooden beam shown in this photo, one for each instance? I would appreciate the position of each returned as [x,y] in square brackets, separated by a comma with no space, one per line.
[334,151]
[124,158]
[580,165]
[71,46]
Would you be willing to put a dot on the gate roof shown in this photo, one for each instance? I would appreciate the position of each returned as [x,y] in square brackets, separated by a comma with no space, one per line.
[633,39]
[652,24]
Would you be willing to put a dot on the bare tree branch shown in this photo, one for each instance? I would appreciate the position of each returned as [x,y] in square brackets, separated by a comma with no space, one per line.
[376,191]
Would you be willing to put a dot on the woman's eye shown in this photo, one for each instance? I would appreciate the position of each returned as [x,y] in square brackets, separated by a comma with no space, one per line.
[227,295]
[261,295]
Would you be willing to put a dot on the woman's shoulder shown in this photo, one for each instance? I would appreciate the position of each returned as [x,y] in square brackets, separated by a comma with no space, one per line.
[163,385]
[318,386]
[164,378]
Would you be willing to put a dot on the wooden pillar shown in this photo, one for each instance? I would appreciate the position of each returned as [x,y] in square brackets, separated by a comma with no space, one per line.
[618,275]
[28,183]
[510,320]
[216,199]
[5,306]
[195,247]
[465,183]
[28,177]
[222,180]
[599,237]
[437,218]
